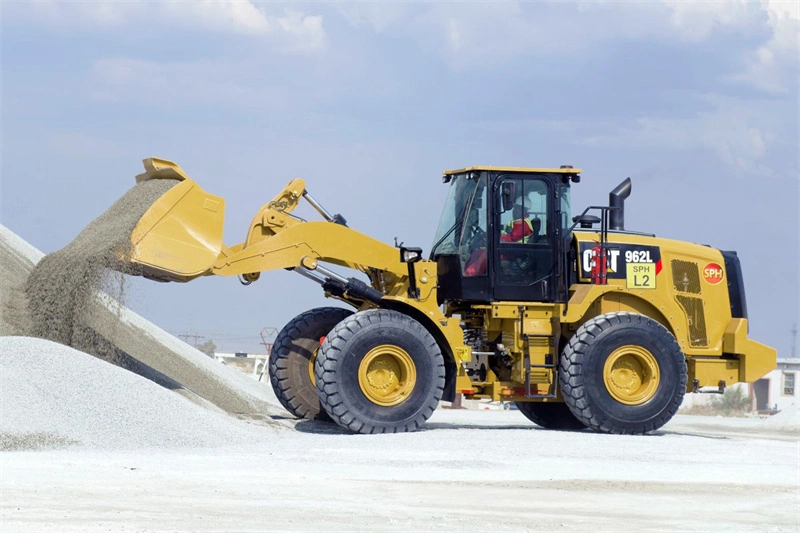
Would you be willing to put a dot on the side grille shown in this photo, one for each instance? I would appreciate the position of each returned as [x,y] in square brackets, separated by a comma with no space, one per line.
[685,276]
[693,307]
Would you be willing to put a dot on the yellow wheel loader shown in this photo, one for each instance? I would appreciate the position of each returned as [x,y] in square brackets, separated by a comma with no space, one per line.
[576,320]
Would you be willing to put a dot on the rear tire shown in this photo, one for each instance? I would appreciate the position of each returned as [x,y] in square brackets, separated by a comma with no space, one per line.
[291,362]
[623,373]
[550,415]
[379,371]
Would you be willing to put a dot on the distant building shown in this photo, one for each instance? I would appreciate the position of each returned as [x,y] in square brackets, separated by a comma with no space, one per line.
[778,389]
[248,363]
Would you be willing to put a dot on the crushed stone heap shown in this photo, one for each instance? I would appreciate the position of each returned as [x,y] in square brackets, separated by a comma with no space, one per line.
[54,396]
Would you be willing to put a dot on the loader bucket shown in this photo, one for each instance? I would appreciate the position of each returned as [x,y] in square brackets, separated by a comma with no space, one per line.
[180,236]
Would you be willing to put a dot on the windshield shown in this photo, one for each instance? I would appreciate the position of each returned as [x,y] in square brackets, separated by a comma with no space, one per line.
[459,198]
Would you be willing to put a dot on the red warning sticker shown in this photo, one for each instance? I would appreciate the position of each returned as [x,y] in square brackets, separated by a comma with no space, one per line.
[713,273]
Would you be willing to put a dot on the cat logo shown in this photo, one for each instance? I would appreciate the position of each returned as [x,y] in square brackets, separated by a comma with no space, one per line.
[712,273]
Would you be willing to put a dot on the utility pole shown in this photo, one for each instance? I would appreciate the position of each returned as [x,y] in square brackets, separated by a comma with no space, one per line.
[794,341]
[268,334]
[194,336]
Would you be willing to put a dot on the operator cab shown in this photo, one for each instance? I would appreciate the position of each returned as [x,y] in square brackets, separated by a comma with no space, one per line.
[500,236]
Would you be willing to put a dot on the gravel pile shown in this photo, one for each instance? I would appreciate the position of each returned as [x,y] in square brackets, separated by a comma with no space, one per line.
[53,396]
[226,388]
[146,349]
[17,259]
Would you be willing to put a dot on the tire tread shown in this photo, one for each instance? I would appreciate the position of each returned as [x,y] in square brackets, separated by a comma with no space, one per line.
[279,369]
[325,371]
[573,384]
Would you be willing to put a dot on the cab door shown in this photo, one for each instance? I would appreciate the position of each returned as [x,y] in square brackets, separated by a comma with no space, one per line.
[524,257]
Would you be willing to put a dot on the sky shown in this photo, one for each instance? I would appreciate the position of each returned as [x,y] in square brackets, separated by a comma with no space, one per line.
[369,102]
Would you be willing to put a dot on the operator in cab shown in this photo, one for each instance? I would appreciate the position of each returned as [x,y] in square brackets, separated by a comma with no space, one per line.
[520,228]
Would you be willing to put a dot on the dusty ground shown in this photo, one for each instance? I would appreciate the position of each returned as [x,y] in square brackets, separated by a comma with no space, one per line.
[467,470]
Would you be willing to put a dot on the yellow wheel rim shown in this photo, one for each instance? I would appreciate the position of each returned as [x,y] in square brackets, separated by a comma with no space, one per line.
[387,375]
[314,355]
[631,375]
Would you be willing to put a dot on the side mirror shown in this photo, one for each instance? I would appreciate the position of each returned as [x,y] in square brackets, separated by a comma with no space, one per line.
[410,255]
[508,194]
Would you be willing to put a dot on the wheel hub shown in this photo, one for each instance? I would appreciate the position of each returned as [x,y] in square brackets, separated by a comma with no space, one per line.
[387,375]
[631,375]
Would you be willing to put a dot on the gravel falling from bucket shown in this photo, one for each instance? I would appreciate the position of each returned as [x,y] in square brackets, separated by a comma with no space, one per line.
[61,289]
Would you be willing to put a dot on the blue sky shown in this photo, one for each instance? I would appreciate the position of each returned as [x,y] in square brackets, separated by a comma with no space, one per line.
[369,102]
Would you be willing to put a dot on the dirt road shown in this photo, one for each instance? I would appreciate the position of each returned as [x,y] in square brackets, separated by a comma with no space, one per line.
[468,470]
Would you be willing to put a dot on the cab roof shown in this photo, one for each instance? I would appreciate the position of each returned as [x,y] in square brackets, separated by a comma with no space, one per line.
[568,170]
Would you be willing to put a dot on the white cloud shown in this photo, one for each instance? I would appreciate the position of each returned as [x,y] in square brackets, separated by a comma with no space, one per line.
[73,14]
[773,67]
[378,16]
[290,31]
[739,135]
[477,34]
[695,21]
[82,145]
[179,84]
[299,32]
[308,31]
[222,15]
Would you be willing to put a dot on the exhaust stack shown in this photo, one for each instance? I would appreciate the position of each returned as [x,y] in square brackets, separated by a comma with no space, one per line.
[616,198]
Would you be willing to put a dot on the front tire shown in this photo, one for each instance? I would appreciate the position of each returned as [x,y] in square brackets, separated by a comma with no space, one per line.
[291,363]
[623,373]
[379,371]
[550,415]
